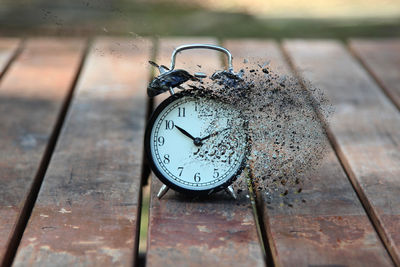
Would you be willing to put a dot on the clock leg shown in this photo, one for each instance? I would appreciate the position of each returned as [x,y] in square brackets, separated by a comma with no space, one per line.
[163,190]
[231,192]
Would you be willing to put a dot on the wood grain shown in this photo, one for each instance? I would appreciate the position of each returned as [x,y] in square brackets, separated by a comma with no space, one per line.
[87,209]
[193,232]
[381,58]
[330,228]
[365,130]
[8,48]
[32,93]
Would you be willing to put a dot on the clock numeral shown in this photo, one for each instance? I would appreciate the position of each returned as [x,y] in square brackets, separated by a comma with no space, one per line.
[169,125]
[181,112]
[230,157]
[197,177]
[161,141]
[181,170]
[216,173]
[166,159]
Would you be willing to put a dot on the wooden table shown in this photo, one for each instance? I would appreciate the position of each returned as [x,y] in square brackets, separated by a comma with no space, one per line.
[72,121]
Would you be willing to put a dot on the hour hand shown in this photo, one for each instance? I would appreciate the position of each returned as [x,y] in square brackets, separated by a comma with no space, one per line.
[185,132]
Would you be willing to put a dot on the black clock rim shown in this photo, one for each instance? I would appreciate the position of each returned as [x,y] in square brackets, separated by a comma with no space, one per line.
[150,160]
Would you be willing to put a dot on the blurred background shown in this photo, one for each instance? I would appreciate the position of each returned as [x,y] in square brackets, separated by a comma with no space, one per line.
[222,18]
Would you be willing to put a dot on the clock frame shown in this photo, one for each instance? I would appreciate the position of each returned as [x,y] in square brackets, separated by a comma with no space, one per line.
[151,161]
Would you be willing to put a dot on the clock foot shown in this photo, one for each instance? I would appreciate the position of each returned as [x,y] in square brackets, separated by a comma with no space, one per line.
[163,190]
[231,192]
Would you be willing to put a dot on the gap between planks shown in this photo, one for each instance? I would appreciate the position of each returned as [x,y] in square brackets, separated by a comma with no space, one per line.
[146,171]
[255,201]
[12,57]
[373,56]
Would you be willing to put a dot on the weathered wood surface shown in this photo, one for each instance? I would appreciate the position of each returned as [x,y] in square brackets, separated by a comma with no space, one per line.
[218,231]
[88,207]
[32,93]
[365,130]
[331,227]
[382,59]
[8,48]
[87,210]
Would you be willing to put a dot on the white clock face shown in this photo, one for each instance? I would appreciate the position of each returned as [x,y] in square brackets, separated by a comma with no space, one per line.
[198,143]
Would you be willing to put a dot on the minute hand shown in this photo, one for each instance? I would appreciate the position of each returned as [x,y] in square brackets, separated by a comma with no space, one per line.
[214,134]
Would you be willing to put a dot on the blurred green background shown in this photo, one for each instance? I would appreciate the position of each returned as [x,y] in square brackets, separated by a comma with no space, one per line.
[223,18]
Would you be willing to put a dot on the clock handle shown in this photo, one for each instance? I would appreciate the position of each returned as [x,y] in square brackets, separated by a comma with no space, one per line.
[202,46]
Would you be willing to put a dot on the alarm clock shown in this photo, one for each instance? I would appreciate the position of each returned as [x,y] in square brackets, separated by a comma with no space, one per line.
[195,143]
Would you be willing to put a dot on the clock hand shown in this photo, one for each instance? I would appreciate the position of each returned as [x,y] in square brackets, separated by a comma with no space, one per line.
[197,141]
[185,132]
[214,134]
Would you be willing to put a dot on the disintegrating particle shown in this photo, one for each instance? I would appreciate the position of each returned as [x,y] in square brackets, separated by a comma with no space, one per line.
[287,136]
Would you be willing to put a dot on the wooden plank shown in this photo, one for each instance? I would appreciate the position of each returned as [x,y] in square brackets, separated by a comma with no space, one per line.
[186,232]
[87,210]
[365,130]
[8,48]
[330,228]
[382,59]
[32,93]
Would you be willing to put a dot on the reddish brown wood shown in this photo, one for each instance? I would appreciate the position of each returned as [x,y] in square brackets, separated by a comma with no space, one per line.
[382,59]
[331,228]
[32,93]
[8,48]
[87,210]
[365,130]
[218,231]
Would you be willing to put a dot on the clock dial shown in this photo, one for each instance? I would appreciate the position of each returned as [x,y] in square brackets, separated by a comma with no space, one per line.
[197,143]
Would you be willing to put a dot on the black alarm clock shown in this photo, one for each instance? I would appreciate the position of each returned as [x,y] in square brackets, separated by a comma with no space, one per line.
[195,143]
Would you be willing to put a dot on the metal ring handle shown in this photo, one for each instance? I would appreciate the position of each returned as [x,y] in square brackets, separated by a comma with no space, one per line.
[205,46]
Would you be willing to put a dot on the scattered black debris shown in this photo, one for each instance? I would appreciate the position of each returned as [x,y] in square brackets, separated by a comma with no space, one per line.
[287,137]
